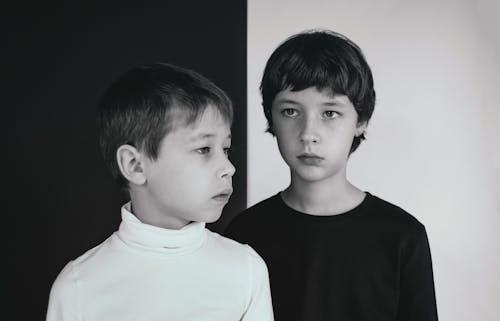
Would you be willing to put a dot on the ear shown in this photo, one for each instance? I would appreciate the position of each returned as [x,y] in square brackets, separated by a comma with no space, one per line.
[361,128]
[130,162]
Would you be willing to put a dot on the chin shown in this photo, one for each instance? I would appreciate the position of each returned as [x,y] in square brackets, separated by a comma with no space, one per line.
[211,217]
[311,175]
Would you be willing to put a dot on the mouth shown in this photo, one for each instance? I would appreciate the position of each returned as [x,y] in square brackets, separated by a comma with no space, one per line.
[223,196]
[310,159]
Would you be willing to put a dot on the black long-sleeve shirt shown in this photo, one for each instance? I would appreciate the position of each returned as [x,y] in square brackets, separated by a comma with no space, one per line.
[370,263]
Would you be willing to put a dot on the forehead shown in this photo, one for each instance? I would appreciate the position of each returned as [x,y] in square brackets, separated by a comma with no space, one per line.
[208,124]
[310,95]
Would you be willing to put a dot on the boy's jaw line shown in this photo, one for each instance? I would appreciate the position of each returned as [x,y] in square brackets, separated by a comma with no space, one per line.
[309,197]
[173,223]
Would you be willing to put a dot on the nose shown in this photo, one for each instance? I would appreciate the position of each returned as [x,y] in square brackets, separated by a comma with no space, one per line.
[227,169]
[309,131]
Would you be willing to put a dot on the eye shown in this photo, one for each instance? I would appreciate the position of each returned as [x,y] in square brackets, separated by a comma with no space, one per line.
[203,150]
[290,112]
[330,114]
[227,150]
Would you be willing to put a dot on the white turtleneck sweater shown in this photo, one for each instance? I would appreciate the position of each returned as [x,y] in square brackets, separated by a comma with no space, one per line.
[143,272]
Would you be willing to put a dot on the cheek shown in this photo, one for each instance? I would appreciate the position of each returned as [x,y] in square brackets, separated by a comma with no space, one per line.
[284,141]
[191,175]
[341,141]
[285,131]
[347,132]
[177,175]
[286,147]
[186,186]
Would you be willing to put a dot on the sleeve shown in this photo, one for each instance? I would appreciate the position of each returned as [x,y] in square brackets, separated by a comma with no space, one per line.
[259,306]
[63,299]
[417,299]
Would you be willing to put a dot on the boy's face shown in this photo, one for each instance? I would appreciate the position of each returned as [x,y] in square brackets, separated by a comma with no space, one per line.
[191,180]
[314,130]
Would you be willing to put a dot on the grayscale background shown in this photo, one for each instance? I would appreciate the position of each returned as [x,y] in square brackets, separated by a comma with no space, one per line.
[433,144]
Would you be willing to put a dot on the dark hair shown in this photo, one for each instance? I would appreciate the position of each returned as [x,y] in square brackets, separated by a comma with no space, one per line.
[149,101]
[323,59]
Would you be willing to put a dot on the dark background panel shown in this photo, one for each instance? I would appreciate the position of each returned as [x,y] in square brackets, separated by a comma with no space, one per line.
[58,60]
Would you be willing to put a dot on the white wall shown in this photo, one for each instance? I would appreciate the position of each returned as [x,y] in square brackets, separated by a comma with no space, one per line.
[433,142]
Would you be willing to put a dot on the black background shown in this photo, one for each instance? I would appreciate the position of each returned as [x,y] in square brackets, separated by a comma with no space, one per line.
[58,59]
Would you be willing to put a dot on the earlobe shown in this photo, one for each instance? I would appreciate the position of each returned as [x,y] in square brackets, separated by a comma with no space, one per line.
[130,163]
[361,128]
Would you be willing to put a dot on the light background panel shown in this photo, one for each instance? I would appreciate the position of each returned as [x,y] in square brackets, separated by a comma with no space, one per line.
[433,142]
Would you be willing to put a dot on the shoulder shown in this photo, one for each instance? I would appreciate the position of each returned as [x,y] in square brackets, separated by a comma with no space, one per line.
[229,248]
[234,254]
[65,286]
[65,283]
[260,209]
[270,202]
[63,298]
[243,273]
[256,214]
[392,215]
[83,265]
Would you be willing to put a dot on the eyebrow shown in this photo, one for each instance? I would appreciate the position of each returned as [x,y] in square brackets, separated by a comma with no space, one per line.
[334,103]
[203,136]
[287,101]
[330,103]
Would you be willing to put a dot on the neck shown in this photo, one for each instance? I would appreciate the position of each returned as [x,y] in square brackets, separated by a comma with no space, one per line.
[149,214]
[147,237]
[334,195]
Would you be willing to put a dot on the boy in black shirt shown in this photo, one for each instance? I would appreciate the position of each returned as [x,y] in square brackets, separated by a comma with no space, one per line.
[333,251]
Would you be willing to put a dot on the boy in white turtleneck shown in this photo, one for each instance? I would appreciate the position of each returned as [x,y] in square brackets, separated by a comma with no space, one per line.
[165,134]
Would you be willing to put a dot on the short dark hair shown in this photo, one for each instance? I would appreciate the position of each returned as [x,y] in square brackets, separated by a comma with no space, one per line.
[323,59]
[149,101]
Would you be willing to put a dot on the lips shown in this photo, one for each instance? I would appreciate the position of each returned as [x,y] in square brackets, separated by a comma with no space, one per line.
[310,159]
[223,196]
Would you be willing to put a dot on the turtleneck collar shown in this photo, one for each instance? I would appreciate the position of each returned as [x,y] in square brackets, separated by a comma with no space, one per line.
[156,239]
